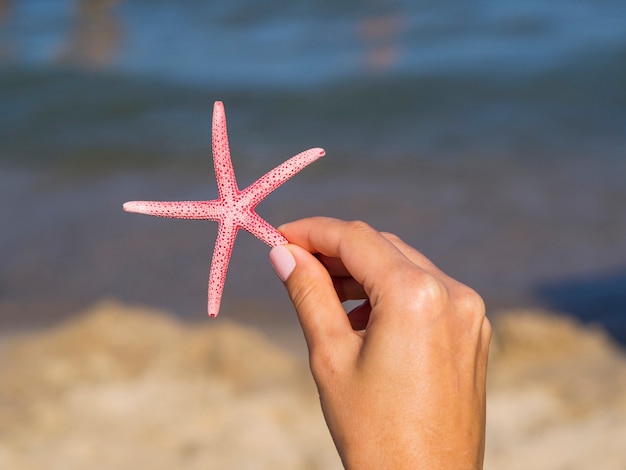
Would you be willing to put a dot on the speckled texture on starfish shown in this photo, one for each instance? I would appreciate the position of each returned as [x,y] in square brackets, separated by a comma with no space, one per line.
[233,209]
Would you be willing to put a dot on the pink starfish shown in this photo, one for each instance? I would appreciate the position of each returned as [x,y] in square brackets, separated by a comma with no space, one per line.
[233,209]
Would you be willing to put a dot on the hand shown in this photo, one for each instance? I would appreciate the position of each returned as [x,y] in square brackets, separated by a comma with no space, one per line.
[402,378]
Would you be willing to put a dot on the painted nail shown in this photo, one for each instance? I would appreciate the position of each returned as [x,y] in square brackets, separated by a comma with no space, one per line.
[282,261]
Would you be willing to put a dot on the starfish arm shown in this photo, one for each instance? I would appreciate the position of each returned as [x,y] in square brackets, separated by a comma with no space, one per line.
[205,210]
[260,228]
[224,172]
[226,235]
[258,190]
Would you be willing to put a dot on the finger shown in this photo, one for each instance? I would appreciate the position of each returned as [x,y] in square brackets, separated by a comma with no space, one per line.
[418,258]
[365,253]
[311,290]
[407,250]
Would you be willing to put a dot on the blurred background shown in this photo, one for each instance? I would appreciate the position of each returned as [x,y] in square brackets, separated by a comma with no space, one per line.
[489,134]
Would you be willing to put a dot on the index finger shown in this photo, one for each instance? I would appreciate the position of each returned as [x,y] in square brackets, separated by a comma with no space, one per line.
[364,251]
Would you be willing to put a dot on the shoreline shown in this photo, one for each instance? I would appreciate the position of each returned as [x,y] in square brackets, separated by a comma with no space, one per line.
[495,229]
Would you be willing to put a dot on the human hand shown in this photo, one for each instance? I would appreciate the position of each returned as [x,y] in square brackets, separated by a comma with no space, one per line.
[402,378]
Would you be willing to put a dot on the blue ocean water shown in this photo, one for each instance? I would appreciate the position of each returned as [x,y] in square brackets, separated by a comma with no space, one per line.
[409,78]
[300,44]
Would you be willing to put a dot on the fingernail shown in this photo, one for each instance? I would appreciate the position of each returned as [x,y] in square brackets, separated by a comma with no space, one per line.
[282,261]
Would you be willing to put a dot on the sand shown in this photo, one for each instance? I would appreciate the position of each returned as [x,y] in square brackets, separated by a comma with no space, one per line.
[557,396]
[122,386]
[125,387]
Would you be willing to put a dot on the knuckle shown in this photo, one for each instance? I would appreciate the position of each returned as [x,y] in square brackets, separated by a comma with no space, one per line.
[469,301]
[459,298]
[359,226]
[426,292]
[430,289]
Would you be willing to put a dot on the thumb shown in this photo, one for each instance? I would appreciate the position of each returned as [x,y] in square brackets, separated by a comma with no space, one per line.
[311,290]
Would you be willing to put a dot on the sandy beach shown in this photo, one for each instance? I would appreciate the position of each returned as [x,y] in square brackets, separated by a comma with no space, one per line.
[121,386]
[128,387]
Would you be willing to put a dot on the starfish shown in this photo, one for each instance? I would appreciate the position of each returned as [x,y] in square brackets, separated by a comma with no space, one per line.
[233,209]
